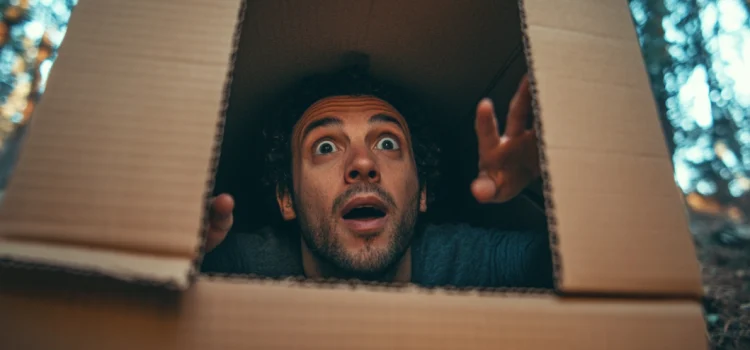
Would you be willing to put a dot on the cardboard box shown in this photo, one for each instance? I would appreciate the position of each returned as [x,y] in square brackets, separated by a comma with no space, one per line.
[115,175]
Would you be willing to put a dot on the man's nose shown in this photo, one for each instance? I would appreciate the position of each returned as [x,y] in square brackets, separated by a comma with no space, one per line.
[362,168]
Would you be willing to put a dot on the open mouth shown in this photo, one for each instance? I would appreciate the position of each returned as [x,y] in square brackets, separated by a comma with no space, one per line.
[365,212]
[365,215]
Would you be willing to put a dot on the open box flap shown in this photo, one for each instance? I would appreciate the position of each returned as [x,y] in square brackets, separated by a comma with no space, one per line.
[120,148]
[613,204]
[174,272]
[233,314]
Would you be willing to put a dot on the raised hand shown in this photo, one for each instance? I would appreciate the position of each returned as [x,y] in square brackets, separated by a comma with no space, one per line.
[220,220]
[507,163]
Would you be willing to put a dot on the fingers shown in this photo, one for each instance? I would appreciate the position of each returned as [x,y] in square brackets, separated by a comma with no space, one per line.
[220,220]
[485,126]
[503,160]
[519,110]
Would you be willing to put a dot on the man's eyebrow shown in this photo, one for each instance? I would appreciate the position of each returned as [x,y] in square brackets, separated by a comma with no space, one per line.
[385,118]
[327,121]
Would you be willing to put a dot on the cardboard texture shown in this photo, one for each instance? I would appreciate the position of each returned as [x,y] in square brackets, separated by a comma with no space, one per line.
[232,314]
[119,162]
[617,212]
[119,158]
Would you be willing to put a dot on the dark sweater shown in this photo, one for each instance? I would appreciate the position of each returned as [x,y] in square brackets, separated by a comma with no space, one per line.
[445,255]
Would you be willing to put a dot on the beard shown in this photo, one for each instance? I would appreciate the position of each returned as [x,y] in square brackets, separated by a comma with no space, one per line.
[370,263]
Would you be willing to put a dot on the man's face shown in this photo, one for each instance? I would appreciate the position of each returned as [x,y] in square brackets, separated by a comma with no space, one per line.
[356,190]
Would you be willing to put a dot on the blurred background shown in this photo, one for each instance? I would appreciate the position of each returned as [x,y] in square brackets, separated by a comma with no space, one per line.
[697,53]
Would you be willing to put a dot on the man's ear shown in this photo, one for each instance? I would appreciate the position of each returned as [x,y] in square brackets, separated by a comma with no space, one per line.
[423,199]
[286,206]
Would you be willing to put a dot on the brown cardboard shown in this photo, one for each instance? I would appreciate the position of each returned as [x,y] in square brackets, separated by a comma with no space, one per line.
[119,155]
[115,173]
[232,314]
[124,265]
[617,212]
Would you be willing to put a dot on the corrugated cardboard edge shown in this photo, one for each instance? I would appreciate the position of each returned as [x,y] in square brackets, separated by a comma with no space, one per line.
[208,196]
[549,205]
[125,266]
[357,285]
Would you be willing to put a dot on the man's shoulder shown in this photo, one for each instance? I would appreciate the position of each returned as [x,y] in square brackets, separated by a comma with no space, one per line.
[467,256]
[267,251]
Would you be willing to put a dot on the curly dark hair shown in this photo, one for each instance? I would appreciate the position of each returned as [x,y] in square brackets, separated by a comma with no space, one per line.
[351,81]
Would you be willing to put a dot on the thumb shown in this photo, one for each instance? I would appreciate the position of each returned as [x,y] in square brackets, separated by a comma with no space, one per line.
[483,188]
[220,220]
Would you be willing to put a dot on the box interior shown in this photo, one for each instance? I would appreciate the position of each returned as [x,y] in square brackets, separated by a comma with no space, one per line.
[450,57]
[450,53]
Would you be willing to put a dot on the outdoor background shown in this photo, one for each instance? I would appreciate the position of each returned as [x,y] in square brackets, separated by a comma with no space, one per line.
[697,53]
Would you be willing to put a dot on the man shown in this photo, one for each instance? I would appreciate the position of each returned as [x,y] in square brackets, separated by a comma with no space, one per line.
[353,168]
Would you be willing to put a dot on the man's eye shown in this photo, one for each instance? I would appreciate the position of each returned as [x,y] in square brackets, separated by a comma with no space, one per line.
[325,147]
[388,144]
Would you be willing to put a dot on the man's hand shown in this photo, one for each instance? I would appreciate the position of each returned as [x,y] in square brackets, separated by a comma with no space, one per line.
[220,220]
[509,163]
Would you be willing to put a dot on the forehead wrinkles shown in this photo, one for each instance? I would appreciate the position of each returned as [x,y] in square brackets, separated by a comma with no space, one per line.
[346,104]
[336,106]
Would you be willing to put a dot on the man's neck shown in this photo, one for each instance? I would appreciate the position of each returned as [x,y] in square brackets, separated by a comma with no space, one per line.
[316,269]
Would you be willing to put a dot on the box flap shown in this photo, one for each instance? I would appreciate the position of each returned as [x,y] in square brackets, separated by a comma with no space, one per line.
[120,148]
[619,217]
[226,314]
[128,266]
